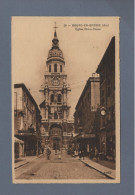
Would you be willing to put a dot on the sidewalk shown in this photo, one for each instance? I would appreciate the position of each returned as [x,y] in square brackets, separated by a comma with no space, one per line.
[25,160]
[103,169]
[106,163]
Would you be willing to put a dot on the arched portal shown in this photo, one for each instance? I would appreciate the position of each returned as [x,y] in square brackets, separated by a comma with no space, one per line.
[56,143]
[56,136]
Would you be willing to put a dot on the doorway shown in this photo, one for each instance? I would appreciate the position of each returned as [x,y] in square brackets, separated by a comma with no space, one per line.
[56,143]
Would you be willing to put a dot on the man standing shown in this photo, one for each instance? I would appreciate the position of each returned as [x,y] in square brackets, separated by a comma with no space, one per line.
[48,152]
[96,154]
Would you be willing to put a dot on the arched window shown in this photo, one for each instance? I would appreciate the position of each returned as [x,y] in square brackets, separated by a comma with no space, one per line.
[59,97]
[52,98]
[60,68]
[55,115]
[50,68]
[55,67]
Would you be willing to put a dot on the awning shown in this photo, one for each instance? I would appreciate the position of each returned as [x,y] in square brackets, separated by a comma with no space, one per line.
[16,140]
[26,136]
[85,136]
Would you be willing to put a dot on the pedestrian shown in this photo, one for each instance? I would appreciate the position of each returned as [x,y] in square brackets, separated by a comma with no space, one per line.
[96,154]
[75,152]
[82,154]
[42,150]
[59,154]
[91,153]
[48,152]
[55,151]
[79,153]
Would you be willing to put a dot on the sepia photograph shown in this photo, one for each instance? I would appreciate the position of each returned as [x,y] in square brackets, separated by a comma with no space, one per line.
[65,99]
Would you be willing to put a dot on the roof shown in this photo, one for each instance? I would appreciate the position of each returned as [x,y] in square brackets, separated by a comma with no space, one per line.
[108,54]
[22,85]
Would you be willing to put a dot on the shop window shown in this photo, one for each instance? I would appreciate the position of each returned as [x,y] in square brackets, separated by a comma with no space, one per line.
[55,67]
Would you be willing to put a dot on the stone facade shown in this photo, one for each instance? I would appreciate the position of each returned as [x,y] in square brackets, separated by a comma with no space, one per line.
[56,127]
[106,69]
[87,105]
[26,119]
[85,114]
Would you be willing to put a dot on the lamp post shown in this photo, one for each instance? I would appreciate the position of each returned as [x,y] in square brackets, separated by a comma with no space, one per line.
[103,137]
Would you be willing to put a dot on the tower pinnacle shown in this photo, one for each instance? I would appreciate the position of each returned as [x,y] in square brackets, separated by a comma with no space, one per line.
[55,51]
[55,35]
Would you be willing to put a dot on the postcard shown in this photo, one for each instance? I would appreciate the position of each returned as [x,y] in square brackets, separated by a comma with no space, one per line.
[65,99]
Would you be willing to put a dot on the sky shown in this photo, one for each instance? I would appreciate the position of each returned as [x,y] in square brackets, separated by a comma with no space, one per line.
[83,48]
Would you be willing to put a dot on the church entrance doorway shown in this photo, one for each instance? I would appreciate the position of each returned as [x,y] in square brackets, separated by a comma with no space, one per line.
[56,143]
[56,136]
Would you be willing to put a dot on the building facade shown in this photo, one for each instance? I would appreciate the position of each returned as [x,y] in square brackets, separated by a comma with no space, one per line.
[84,115]
[56,126]
[106,69]
[27,120]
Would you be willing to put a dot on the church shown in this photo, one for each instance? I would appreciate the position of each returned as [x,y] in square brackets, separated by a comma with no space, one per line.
[56,127]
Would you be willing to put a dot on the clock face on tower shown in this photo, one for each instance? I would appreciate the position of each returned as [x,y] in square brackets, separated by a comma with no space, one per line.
[55,82]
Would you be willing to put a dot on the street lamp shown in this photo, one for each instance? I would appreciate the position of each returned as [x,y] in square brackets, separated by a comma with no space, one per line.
[102,111]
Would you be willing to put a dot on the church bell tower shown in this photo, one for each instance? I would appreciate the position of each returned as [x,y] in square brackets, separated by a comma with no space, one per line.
[55,107]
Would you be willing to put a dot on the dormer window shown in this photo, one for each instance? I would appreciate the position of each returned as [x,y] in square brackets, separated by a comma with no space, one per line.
[50,68]
[60,68]
[55,67]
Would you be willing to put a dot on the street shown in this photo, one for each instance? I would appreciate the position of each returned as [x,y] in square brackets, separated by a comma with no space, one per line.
[67,167]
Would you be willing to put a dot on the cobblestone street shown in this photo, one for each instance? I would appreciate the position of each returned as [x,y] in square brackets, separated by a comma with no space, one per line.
[67,167]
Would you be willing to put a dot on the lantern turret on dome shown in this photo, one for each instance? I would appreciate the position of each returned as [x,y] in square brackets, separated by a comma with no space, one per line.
[55,51]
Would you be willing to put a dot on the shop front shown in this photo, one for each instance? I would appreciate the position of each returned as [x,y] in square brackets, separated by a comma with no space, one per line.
[18,147]
[32,142]
[86,143]
[110,142]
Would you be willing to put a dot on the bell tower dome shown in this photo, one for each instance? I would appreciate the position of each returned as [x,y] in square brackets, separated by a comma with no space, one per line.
[55,61]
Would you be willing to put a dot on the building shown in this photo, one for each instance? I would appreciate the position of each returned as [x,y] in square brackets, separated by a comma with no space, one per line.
[84,115]
[106,69]
[26,122]
[56,126]
[19,148]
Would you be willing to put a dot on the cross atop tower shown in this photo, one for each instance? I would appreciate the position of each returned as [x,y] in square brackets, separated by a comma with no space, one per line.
[55,26]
